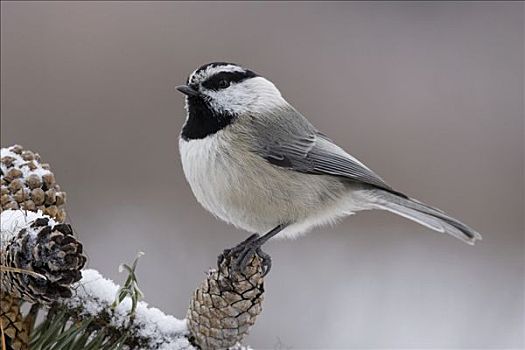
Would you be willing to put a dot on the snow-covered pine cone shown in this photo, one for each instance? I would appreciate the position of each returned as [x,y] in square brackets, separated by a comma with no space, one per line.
[225,306]
[46,248]
[26,184]
[29,184]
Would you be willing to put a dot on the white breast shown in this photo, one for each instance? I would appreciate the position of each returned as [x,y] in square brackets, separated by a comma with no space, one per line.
[239,188]
[203,168]
[233,185]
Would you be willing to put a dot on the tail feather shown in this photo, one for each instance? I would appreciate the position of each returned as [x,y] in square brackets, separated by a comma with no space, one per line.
[423,214]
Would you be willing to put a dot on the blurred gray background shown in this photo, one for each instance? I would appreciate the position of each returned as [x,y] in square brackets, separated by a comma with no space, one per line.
[429,95]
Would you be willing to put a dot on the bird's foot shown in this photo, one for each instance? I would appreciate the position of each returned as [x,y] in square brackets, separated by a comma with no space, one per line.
[243,253]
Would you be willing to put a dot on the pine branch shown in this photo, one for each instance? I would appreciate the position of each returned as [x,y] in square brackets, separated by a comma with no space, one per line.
[41,262]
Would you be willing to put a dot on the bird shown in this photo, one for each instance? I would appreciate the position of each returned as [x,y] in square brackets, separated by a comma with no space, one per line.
[254,161]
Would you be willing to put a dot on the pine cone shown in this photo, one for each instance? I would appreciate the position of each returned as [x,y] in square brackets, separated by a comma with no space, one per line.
[17,335]
[225,306]
[48,250]
[29,184]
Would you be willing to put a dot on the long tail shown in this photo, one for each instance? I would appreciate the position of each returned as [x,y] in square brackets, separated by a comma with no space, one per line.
[421,213]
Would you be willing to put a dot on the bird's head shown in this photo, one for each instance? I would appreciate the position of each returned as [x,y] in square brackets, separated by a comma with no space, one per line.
[220,92]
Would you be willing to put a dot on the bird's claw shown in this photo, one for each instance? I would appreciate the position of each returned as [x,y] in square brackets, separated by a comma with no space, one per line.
[266,261]
[235,250]
[243,253]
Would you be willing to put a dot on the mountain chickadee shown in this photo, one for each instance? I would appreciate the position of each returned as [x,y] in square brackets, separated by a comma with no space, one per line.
[254,161]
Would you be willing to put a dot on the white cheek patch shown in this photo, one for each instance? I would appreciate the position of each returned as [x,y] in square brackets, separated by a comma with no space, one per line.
[253,95]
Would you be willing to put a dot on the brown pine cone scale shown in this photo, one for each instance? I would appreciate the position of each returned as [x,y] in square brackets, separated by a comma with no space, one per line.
[226,305]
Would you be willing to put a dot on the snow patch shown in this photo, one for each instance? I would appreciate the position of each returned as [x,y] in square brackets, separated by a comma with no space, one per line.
[21,164]
[13,221]
[95,294]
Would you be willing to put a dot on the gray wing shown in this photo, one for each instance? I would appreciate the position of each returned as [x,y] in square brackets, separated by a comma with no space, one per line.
[302,148]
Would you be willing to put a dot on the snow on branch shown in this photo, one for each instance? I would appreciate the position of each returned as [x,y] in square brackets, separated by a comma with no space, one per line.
[148,327]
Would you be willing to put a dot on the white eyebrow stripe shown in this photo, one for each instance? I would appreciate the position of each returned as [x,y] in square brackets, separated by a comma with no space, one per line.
[212,70]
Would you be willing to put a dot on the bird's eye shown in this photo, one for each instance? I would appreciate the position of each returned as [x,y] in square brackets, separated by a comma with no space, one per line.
[223,84]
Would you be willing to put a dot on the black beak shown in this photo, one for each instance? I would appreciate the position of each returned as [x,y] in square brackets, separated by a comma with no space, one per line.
[186,90]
